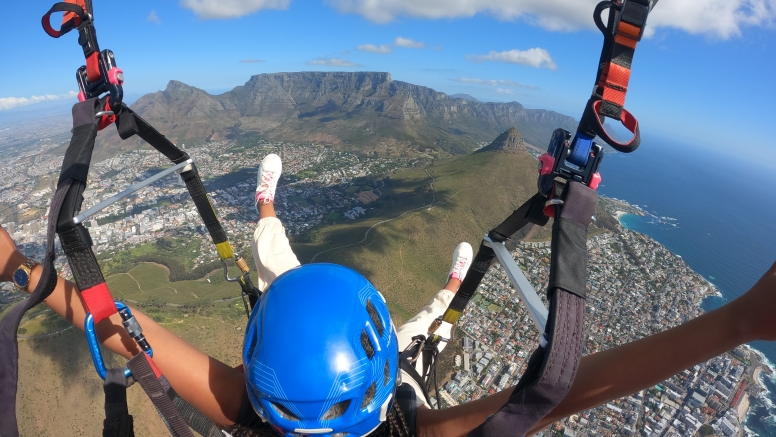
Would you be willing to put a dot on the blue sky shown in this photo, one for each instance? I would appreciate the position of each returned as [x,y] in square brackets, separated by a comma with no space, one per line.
[705,73]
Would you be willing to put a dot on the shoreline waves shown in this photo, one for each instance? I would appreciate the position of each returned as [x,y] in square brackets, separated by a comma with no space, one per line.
[745,412]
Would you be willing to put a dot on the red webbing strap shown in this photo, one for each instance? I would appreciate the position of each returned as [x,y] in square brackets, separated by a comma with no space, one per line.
[99,302]
[93,67]
[616,73]
[71,16]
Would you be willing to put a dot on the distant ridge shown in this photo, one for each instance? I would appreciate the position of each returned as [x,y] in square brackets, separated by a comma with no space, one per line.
[363,111]
[464,97]
[510,142]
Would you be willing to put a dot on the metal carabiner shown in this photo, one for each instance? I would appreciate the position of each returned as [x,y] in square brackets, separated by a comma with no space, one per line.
[133,329]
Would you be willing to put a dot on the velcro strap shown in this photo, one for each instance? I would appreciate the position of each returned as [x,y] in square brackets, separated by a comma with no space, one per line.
[99,302]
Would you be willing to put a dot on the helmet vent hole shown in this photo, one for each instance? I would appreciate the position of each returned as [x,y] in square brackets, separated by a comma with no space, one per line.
[284,412]
[367,345]
[252,346]
[370,308]
[386,373]
[369,396]
[337,410]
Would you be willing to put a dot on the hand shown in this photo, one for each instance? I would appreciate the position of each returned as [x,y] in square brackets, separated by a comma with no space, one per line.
[758,306]
[10,257]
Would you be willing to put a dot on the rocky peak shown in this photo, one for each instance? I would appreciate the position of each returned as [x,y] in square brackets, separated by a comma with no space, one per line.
[510,141]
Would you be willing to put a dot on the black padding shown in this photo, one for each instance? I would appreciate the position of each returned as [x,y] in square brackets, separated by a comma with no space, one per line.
[568,265]
[118,422]
[79,153]
[86,270]
[9,325]
[75,239]
[539,392]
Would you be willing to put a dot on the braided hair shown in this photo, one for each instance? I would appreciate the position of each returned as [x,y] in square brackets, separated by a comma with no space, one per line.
[395,425]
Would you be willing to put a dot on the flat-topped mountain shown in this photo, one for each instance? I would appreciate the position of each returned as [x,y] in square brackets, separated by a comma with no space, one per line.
[366,110]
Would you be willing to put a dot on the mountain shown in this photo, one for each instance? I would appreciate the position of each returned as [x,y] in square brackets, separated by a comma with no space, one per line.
[366,111]
[510,142]
[464,96]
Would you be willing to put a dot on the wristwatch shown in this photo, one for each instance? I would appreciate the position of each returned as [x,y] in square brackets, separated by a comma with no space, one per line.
[21,276]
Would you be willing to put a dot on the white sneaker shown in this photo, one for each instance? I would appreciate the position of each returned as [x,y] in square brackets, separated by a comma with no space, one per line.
[267,179]
[462,259]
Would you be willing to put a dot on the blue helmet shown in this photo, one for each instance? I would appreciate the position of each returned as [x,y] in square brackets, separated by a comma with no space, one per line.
[321,354]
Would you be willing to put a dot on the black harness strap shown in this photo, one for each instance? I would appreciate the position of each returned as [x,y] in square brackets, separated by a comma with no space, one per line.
[193,417]
[9,325]
[529,212]
[128,123]
[551,369]
[150,381]
[118,422]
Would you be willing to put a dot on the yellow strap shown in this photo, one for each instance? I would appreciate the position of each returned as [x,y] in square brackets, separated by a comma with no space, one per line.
[451,316]
[225,250]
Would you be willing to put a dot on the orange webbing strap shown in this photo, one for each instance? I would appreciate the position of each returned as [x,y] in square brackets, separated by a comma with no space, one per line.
[615,75]
[625,28]
[72,17]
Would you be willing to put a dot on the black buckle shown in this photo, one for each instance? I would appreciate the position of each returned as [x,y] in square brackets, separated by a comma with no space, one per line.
[111,80]
[633,12]
[554,164]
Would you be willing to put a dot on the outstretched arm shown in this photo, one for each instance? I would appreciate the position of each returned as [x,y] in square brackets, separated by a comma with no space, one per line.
[626,369]
[209,385]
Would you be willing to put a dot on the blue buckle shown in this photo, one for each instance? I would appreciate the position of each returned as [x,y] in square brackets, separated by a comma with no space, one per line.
[581,147]
[133,329]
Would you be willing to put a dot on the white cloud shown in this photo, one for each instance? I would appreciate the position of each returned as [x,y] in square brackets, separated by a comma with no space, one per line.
[152,17]
[719,18]
[406,42]
[209,9]
[495,82]
[371,48]
[332,62]
[253,61]
[14,102]
[505,91]
[535,57]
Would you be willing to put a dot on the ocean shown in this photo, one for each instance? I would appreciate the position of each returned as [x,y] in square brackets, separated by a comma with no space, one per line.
[716,210]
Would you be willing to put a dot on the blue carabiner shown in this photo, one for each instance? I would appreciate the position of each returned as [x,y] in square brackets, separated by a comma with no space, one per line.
[94,344]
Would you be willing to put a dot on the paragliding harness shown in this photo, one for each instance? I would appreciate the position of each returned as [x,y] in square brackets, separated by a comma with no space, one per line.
[100,82]
[568,178]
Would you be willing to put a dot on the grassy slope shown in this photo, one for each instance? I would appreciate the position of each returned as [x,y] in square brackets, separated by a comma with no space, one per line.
[407,259]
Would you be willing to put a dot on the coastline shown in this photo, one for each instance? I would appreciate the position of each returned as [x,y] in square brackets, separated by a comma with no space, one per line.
[621,213]
[763,368]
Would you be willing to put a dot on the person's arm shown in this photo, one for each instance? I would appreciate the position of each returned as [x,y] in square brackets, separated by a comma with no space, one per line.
[626,369]
[209,385]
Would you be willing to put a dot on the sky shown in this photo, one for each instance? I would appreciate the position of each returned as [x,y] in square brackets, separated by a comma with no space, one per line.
[703,73]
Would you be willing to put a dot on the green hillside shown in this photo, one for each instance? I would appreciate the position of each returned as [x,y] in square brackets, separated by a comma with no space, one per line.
[429,211]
